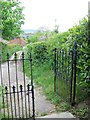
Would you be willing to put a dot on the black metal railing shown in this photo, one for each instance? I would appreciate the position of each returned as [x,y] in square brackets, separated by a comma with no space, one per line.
[18,91]
[65,73]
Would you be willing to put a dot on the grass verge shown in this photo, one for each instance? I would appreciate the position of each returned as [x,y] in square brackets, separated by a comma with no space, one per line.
[43,76]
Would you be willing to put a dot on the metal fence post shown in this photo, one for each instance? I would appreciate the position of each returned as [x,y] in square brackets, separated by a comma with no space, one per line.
[9,80]
[71,79]
[74,71]
[32,86]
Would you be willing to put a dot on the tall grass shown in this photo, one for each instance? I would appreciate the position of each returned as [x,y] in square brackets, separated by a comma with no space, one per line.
[43,76]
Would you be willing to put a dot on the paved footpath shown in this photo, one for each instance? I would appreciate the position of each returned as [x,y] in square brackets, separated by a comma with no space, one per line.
[43,107]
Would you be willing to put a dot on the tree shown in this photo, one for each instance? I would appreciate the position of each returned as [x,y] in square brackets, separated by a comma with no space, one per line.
[11,19]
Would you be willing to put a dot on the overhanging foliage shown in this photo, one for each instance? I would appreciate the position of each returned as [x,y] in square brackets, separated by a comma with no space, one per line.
[11,19]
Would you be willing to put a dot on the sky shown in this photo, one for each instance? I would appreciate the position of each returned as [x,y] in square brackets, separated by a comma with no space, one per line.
[48,13]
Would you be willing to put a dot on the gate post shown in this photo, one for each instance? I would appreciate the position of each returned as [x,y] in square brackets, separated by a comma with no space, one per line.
[74,72]
[32,87]
[71,80]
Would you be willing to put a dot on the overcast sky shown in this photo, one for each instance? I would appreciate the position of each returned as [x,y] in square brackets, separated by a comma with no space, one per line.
[40,13]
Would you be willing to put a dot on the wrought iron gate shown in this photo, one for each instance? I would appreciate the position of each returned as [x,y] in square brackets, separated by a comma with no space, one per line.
[18,90]
[65,73]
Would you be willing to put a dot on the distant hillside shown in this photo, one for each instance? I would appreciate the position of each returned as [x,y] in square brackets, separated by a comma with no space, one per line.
[29,30]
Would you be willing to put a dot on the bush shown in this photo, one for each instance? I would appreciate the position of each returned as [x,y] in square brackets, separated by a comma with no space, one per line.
[3,50]
[8,48]
[43,53]
[32,39]
[12,48]
[39,52]
[79,34]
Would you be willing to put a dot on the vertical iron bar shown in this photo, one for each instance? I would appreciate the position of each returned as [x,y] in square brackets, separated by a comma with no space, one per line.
[9,84]
[4,101]
[33,102]
[24,83]
[55,68]
[62,64]
[17,84]
[31,69]
[71,77]
[21,90]
[66,65]
[28,90]
[32,87]
[74,67]
[59,71]
[57,61]
[68,75]
[4,105]
[69,66]
[6,92]
[14,100]
[2,84]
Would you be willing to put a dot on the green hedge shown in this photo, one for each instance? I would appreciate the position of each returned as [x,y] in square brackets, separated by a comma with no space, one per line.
[42,52]
[3,50]
[8,48]
[39,52]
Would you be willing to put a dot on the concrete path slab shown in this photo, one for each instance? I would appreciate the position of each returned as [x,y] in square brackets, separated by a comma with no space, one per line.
[42,105]
[59,115]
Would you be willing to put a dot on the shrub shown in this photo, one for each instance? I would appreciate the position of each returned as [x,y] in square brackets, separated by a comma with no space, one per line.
[7,48]
[43,53]
[12,48]
[39,52]
[3,50]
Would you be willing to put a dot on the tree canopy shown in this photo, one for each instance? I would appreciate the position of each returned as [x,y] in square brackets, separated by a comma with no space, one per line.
[11,19]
